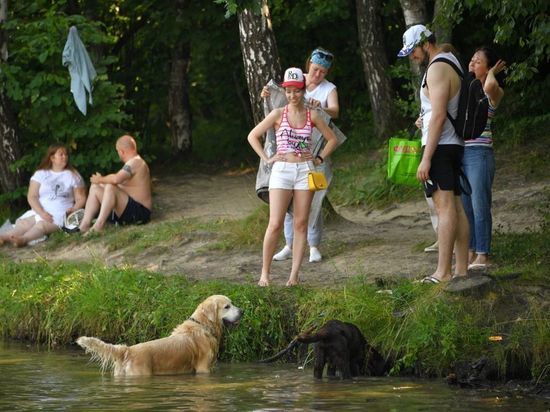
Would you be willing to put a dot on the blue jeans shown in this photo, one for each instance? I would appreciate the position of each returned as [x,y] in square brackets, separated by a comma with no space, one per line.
[479,168]
[314,232]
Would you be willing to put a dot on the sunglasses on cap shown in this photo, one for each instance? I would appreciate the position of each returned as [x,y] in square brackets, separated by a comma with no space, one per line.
[323,55]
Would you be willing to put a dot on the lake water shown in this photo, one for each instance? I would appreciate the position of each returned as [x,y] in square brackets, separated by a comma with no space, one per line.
[33,379]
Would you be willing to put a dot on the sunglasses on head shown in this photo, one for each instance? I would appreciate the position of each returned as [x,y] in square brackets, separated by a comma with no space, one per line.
[323,55]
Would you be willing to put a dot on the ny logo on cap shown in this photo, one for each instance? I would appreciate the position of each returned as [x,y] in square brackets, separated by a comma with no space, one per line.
[293,75]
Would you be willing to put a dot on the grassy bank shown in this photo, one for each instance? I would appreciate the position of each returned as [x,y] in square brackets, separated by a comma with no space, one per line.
[423,329]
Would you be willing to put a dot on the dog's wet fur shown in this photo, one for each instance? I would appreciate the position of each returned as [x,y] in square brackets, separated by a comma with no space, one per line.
[191,348]
[343,348]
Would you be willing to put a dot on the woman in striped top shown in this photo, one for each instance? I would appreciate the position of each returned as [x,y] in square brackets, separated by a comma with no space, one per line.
[293,124]
[479,160]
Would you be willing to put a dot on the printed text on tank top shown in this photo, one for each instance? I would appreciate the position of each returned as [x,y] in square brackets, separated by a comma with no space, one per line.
[295,140]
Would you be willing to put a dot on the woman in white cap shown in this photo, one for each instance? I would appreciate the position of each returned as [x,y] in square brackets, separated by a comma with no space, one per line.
[293,124]
[319,93]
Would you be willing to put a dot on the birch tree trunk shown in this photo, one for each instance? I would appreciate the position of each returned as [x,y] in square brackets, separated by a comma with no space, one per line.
[178,100]
[179,111]
[376,67]
[9,146]
[260,55]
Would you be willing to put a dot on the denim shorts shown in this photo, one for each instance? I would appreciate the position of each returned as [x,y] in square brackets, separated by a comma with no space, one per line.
[289,176]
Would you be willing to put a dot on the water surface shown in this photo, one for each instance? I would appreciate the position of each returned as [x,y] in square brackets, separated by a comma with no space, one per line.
[33,379]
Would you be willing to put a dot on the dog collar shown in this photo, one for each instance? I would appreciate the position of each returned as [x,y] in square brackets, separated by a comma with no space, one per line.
[208,329]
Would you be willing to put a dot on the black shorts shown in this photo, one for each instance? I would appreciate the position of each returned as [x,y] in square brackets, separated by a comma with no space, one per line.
[134,213]
[446,171]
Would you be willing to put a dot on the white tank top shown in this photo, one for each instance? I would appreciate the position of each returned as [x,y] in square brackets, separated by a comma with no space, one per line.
[321,92]
[448,134]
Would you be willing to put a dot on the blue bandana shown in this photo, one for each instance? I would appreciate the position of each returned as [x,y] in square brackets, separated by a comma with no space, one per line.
[322,58]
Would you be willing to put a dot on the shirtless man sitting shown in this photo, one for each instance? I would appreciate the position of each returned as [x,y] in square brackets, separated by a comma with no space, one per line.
[127,193]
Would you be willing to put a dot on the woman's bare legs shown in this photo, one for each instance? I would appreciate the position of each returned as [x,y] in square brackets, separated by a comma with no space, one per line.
[301,206]
[37,231]
[21,226]
[279,199]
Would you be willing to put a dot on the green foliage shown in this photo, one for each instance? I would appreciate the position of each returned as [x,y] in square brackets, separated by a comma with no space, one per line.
[131,43]
[38,85]
[408,101]
[520,25]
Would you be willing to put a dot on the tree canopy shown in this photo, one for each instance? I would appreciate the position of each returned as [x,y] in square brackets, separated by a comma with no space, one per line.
[131,44]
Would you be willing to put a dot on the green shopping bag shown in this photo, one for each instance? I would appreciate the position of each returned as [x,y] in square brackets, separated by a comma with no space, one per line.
[403,160]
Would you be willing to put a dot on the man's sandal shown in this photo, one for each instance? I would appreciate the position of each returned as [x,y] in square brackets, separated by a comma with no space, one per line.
[431,280]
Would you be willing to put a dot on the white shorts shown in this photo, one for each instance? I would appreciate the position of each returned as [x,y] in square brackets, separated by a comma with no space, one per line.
[290,176]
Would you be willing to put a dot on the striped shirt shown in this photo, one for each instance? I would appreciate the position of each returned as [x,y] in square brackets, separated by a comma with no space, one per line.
[486,138]
[295,140]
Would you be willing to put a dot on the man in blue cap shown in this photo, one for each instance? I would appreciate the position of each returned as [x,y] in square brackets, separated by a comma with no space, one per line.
[440,167]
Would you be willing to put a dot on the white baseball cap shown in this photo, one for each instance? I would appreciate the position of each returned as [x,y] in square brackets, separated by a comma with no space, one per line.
[294,77]
[414,35]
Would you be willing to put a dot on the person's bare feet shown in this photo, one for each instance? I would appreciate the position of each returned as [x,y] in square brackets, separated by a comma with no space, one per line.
[18,241]
[481,259]
[292,282]
[84,228]
[264,281]
[92,231]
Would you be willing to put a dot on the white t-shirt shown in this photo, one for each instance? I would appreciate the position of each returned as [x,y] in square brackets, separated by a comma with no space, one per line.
[321,92]
[56,193]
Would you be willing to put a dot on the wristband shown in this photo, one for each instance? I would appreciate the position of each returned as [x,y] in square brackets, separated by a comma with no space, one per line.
[320,158]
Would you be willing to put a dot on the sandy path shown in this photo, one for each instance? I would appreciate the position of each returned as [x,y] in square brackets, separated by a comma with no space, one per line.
[379,243]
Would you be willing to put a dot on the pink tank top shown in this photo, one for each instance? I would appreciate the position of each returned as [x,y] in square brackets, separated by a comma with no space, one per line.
[291,139]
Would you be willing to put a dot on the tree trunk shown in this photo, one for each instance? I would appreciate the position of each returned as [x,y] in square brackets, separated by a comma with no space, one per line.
[178,100]
[414,12]
[260,55]
[375,67]
[9,147]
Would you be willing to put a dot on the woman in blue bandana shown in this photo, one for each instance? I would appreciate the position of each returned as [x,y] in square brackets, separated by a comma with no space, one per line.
[320,93]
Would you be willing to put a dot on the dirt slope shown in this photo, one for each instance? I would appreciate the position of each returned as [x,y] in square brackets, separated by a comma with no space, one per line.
[379,243]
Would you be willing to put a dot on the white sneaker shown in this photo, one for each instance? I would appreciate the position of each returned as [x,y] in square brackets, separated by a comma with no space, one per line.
[284,254]
[432,248]
[314,255]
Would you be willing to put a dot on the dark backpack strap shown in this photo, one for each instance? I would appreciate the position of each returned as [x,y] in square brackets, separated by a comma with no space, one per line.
[458,71]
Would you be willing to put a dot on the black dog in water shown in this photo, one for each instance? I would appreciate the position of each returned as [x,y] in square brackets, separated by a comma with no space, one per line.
[343,347]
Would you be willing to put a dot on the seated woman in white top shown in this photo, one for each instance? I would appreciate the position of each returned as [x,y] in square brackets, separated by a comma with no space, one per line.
[56,189]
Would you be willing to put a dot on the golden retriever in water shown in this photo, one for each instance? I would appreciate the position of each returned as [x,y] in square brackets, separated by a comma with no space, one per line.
[192,347]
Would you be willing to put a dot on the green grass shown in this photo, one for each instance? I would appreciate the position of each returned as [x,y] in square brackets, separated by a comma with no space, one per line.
[424,330]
